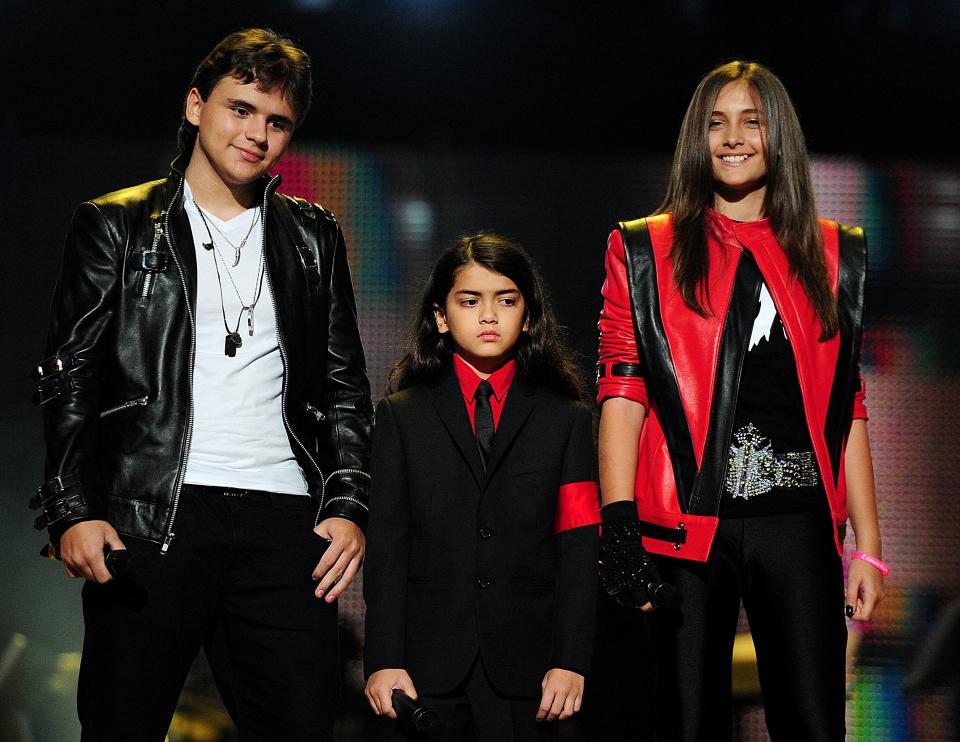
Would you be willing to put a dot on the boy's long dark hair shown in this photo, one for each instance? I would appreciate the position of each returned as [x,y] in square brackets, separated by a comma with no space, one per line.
[789,200]
[542,358]
[254,54]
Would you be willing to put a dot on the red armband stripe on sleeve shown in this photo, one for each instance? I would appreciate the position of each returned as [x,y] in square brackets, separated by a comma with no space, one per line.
[578,505]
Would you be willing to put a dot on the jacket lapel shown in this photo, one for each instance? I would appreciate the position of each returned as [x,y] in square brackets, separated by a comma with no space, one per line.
[182,246]
[283,269]
[801,325]
[448,400]
[520,402]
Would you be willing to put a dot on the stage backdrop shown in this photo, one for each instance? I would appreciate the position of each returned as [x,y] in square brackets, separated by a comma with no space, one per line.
[397,210]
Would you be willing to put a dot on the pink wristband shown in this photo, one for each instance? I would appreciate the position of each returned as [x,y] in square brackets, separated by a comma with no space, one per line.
[873,562]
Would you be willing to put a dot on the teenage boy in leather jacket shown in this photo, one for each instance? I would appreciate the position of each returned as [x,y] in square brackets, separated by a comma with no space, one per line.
[206,407]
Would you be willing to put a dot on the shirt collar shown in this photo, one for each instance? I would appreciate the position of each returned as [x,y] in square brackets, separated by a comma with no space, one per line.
[500,379]
[747,234]
[237,222]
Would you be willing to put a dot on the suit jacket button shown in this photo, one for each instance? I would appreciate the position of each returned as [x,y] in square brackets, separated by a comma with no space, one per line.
[485,533]
[484,582]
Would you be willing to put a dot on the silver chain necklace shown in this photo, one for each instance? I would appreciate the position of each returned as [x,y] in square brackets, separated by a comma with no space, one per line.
[233,339]
[243,242]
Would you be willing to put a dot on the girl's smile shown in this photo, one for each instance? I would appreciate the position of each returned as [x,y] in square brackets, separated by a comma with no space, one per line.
[736,139]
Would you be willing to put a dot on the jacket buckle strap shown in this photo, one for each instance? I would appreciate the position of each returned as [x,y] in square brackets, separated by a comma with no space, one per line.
[306,208]
[53,488]
[154,261]
[311,269]
[52,366]
[58,497]
[618,369]
[58,510]
[51,388]
[677,535]
[52,373]
[309,262]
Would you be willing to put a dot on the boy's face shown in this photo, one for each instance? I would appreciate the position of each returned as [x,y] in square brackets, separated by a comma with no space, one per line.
[484,314]
[243,130]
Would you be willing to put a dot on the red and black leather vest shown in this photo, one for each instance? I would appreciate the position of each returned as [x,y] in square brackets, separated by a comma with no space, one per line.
[691,367]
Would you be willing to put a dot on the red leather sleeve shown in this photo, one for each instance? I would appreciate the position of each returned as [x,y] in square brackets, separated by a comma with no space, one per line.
[859,407]
[618,343]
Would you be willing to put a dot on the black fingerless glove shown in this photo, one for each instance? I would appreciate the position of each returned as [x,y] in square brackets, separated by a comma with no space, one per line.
[627,573]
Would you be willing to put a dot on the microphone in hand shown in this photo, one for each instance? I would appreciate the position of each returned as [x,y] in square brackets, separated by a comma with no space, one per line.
[120,562]
[422,720]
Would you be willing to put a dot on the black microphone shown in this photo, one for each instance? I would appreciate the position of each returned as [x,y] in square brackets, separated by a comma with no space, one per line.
[665,595]
[422,720]
[120,562]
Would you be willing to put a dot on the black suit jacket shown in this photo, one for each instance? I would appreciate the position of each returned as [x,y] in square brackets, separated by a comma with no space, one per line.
[459,560]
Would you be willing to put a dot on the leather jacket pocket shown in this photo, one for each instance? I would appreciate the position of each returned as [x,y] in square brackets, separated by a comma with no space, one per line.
[138,402]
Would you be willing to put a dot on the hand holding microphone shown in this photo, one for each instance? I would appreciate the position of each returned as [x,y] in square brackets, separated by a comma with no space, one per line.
[389,693]
[120,562]
[422,720]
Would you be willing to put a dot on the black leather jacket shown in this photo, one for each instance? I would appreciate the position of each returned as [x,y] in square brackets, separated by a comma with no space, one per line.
[116,389]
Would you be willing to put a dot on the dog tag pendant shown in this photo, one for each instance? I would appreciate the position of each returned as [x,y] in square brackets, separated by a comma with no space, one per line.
[250,321]
[231,343]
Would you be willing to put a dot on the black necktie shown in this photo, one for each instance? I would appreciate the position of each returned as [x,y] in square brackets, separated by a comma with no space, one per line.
[483,421]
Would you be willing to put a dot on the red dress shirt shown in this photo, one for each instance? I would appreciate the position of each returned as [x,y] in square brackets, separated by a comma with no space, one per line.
[500,380]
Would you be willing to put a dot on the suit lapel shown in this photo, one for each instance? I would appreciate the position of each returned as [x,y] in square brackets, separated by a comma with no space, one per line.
[448,400]
[520,402]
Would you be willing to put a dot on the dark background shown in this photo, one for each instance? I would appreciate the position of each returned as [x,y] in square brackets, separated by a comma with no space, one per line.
[875,77]
[545,121]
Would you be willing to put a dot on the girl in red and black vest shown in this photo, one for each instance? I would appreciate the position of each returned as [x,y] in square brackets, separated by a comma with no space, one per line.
[733,434]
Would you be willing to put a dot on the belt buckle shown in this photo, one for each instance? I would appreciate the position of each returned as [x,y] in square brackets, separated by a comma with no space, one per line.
[754,469]
[751,469]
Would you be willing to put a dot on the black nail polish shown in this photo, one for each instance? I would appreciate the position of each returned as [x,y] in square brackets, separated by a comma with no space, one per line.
[849,611]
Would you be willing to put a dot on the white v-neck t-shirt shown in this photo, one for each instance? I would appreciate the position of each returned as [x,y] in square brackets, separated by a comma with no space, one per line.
[239,439]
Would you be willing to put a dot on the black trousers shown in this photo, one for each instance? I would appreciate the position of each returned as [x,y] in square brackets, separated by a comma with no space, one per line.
[786,570]
[237,582]
[475,711]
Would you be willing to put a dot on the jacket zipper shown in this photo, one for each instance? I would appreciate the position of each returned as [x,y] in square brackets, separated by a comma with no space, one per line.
[169,536]
[283,360]
[148,279]
[139,402]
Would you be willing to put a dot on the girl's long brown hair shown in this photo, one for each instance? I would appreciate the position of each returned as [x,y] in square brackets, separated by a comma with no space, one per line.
[789,201]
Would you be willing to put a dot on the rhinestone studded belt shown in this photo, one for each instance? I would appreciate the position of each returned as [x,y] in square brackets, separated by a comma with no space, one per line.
[754,469]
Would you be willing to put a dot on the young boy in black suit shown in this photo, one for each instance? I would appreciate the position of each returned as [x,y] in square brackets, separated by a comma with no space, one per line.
[480,579]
